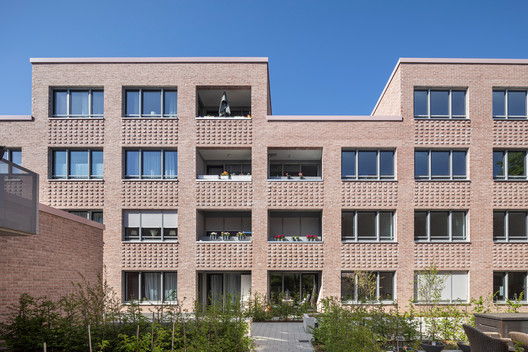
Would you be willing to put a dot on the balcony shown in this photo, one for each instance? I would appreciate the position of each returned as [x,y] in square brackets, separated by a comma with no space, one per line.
[223,103]
[223,164]
[296,164]
[18,200]
[224,226]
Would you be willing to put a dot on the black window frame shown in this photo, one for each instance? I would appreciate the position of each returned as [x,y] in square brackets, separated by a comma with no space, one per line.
[506,223]
[506,176]
[377,298]
[378,176]
[450,115]
[506,115]
[141,176]
[355,237]
[140,286]
[140,91]
[88,214]
[69,176]
[505,276]
[426,238]
[430,176]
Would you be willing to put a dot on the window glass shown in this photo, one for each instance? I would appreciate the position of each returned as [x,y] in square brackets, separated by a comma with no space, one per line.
[151,286]
[499,106]
[97,216]
[439,103]
[79,164]
[348,164]
[421,164]
[459,164]
[170,100]
[498,225]
[151,103]
[60,102]
[348,286]
[440,163]
[275,286]
[459,287]
[347,225]
[498,164]
[97,163]
[420,103]
[15,157]
[516,103]
[516,285]
[275,170]
[387,163]
[292,169]
[458,222]
[517,224]
[439,225]
[498,286]
[366,224]
[170,286]
[292,283]
[170,159]
[132,163]
[309,170]
[79,103]
[132,103]
[132,286]
[386,286]
[97,103]
[420,225]
[516,163]
[458,106]
[151,163]
[367,164]
[385,225]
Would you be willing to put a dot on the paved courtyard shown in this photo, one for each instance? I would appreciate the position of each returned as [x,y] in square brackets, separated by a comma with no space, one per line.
[281,337]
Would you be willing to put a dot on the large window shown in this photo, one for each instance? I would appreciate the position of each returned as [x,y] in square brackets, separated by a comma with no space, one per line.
[509,104]
[509,165]
[440,165]
[367,164]
[223,102]
[295,164]
[151,102]
[78,103]
[151,164]
[14,156]
[367,226]
[150,225]
[150,286]
[294,287]
[77,164]
[437,103]
[216,225]
[223,164]
[367,286]
[430,226]
[95,215]
[294,225]
[453,285]
[509,285]
[510,226]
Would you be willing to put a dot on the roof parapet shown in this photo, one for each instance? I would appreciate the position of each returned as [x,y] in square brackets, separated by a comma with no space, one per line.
[327,118]
[141,60]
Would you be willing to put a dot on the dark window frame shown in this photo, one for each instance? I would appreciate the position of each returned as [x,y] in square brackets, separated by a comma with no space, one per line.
[450,115]
[505,168]
[68,175]
[68,114]
[506,115]
[506,233]
[127,237]
[450,176]
[377,298]
[378,176]
[426,238]
[355,237]
[140,91]
[140,279]
[141,176]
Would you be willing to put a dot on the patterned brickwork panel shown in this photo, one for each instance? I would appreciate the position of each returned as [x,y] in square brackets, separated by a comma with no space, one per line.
[224,255]
[369,194]
[150,193]
[76,131]
[287,256]
[150,131]
[224,132]
[444,255]
[510,194]
[64,194]
[442,132]
[369,255]
[510,133]
[510,256]
[224,194]
[442,194]
[295,193]
[149,255]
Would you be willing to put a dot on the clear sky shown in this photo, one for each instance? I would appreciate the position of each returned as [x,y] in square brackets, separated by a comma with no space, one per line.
[326,57]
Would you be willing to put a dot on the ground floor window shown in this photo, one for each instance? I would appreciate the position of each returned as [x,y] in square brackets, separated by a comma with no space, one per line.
[367,286]
[150,286]
[95,215]
[294,287]
[219,287]
[452,287]
[509,285]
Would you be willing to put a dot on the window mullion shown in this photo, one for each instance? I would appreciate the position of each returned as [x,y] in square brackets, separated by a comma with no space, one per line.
[90,110]
[429,164]
[68,168]
[357,164]
[429,103]
[506,166]
[162,158]
[140,226]
[377,226]
[377,285]
[506,293]
[450,103]
[162,284]
[506,226]
[162,110]
[355,226]
[162,225]
[451,164]
[89,163]
[428,225]
[506,114]
[140,99]
[140,171]
[378,164]
[68,104]
[356,280]
[140,281]
[450,226]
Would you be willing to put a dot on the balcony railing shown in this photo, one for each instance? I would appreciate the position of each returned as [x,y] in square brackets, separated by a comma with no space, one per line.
[18,200]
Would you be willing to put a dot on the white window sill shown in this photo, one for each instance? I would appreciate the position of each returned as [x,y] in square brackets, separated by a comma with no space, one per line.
[223,118]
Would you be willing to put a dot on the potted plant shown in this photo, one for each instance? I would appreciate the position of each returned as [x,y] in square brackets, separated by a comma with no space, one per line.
[279,237]
[241,236]
[288,176]
[301,175]
[213,236]
[224,175]
[226,236]
[2,151]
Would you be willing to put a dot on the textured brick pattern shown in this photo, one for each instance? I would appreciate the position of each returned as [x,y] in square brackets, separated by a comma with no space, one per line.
[510,194]
[150,193]
[150,131]
[224,132]
[224,255]
[442,194]
[149,255]
[224,194]
[76,131]
[442,132]
[295,194]
[510,133]
[369,256]
[295,256]
[64,194]
[510,256]
[444,255]
[369,194]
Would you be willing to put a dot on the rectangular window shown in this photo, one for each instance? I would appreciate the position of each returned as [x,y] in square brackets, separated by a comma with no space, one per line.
[440,165]
[509,104]
[509,165]
[510,225]
[453,287]
[216,223]
[436,103]
[294,287]
[367,164]
[77,164]
[295,226]
[357,287]
[364,226]
[14,156]
[150,225]
[433,226]
[509,285]
[151,164]
[83,103]
[151,102]
[95,215]
[150,286]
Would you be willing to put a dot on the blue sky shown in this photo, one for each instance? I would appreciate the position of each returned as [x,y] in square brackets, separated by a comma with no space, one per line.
[326,57]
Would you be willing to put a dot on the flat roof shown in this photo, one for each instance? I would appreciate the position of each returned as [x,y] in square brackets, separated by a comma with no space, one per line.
[140,60]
